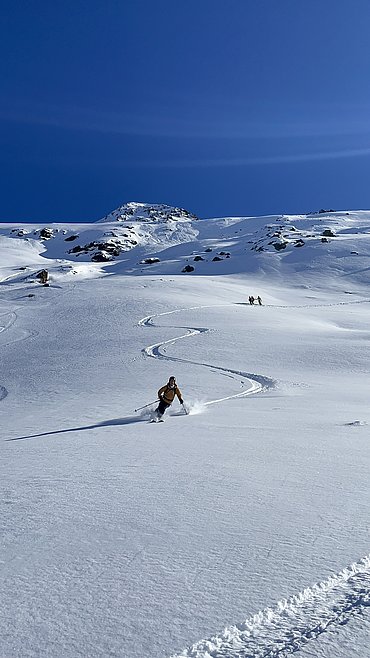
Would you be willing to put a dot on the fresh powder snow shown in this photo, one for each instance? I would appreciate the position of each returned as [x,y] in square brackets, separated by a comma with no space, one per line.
[239,527]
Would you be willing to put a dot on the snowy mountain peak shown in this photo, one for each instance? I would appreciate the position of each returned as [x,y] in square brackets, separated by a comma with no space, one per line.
[144,212]
[140,238]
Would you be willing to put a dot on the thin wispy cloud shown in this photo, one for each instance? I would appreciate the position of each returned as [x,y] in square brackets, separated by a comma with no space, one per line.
[208,121]
[252,161]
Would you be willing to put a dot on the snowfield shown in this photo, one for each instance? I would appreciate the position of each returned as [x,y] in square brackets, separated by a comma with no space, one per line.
[238,530]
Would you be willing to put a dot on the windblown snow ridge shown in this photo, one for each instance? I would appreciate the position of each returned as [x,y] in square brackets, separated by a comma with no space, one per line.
[279,631]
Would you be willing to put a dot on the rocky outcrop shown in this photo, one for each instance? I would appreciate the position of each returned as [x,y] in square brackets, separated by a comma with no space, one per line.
[279,245]
[103,251]
[145,212]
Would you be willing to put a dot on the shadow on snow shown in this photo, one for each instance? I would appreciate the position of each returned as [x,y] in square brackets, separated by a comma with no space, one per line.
[129,420]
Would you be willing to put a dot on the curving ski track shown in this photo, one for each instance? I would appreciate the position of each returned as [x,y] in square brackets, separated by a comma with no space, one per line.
[10,319]
[258,383]
[286,628]
[7,320]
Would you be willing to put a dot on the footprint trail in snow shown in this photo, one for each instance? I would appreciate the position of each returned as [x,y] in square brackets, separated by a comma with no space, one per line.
[280,631]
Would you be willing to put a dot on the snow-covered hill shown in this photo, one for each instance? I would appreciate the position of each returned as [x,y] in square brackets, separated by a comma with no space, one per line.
[239,529]
[157,239]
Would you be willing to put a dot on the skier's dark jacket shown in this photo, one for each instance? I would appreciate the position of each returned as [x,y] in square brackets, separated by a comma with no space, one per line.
[167,394]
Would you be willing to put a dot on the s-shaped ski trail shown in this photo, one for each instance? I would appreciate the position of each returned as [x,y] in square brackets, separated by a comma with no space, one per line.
[257,383]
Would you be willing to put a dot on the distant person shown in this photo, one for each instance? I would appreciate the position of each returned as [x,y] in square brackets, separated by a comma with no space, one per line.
[251,300]
[43,275]
[259,300]
[166,396]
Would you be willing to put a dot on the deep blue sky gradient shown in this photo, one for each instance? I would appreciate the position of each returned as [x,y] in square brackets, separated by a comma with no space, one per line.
[224,107]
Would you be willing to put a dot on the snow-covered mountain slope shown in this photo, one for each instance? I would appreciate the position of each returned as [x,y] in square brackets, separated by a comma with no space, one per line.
[240,529]
[157,239]
[126,235]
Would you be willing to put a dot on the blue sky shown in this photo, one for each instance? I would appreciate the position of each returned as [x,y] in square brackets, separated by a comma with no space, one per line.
[219,106]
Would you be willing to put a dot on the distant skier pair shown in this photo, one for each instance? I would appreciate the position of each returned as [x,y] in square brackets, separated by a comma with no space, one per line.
[252,300]
[167,395]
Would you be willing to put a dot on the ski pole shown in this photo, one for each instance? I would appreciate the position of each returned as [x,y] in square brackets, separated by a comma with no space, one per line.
[186,412]
[146,405]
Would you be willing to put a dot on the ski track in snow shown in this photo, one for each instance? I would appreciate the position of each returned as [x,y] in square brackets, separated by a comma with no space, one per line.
[258,383]
[10,318]
[286,628]
[282,630]
[7,320]
[357,301]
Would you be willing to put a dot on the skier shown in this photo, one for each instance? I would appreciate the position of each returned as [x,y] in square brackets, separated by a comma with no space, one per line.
[166,396]
[251,300]
[259,300]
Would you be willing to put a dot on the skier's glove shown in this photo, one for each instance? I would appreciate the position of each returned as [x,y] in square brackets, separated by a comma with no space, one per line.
[181,401]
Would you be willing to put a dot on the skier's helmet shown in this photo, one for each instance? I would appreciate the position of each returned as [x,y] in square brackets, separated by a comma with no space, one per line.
[172,381]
